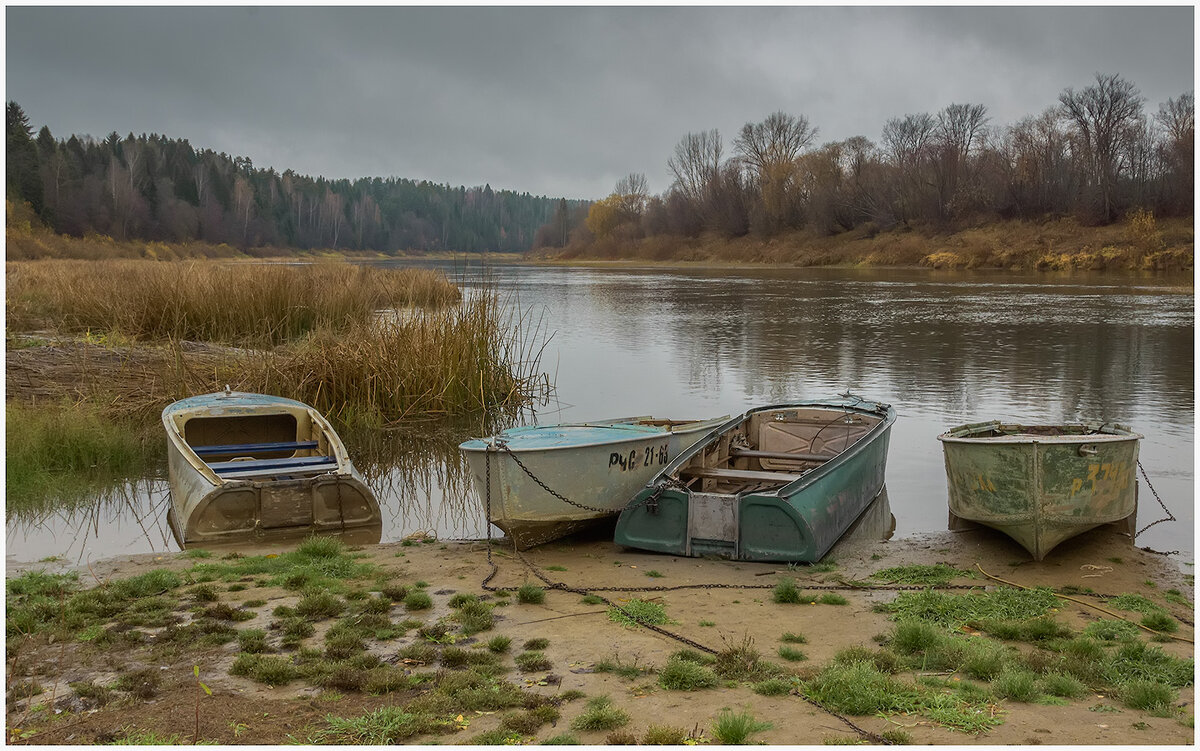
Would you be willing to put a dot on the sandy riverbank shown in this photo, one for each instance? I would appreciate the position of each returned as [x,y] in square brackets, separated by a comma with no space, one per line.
[579,635]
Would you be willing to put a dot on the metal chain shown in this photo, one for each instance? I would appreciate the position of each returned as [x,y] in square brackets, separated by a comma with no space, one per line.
[485,585]
[1168,518]
[652,498]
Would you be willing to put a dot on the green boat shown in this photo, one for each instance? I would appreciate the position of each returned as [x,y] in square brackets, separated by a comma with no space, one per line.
[1041,484]
[778,483]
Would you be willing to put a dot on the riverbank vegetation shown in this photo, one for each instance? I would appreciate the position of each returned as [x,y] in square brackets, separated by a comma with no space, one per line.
[941,189]
[390,644]
[96,349]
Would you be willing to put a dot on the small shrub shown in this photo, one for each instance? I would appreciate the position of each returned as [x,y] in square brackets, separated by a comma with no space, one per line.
[531,662]
[684,675]
[531,594]
[418,600]
[786,592]
[792,654]
[600,714]
[664,735]
[772,687]
[1018,685]
[499,644]
[735,728]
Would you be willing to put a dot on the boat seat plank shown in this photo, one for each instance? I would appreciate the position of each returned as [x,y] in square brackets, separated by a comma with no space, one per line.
[253,448]
[740,474]
[754,454]
[258,467]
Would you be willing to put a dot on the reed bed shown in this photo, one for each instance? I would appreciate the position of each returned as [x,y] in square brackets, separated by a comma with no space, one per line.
[247,304]
[429,363]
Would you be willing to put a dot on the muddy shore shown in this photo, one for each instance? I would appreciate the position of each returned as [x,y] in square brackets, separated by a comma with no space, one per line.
[241,710]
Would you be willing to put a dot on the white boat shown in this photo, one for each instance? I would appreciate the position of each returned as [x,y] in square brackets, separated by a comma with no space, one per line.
[243,465]
[598,465]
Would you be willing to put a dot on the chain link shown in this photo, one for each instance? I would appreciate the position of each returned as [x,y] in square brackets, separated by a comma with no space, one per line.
[652,498]
[1168,518]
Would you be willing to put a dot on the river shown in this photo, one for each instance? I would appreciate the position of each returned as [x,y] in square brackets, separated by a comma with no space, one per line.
[945,348]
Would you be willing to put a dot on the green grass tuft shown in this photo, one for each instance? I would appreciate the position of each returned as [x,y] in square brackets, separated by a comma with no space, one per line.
[684,675]
[600,714]
[636,612]
[735,728]
[531,594]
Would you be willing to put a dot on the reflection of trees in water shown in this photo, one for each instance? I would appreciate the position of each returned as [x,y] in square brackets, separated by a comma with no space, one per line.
[421,479]
[127,517]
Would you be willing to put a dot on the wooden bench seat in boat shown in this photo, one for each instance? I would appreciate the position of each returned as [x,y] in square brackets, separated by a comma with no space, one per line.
[264,467]
[740,474]
[786,455]
[253,448]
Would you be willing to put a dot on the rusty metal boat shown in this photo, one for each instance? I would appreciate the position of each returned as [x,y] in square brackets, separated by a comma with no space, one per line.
[242,465]
[1041,484]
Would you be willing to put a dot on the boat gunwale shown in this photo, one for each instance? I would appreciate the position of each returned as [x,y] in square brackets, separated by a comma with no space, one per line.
[885,412]
[642,434]
[199,406]
[1105,433]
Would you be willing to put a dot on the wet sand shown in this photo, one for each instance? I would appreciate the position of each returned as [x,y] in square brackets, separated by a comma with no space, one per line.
[242,711]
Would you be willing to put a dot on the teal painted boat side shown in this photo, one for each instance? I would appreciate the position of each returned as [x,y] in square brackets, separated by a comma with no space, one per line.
[799,521]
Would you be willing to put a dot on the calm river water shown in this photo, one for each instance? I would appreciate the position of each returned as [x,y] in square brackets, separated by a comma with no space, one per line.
[944,348]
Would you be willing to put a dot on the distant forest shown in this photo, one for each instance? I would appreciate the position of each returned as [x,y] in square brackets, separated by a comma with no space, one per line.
[151,187]
[1095,155]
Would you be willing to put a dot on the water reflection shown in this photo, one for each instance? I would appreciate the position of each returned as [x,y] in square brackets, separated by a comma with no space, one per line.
[945,348]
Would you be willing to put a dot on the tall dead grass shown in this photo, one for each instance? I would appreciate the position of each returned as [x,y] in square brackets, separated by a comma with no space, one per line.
[210,301]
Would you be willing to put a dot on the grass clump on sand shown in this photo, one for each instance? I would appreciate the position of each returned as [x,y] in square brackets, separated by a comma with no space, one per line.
[531,594]
[385,726]
[600,714]
[954,611]
[635,612]
[772,687]
[273,671]
[1111,630]
[1136,603]
[418,600]
[735,728]
[532,662]
[616,667]
[681,674]
[499,644]
[931,576]
[664,735]
[786,592]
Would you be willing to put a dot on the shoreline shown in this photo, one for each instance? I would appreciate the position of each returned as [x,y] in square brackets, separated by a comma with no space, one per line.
[579,638]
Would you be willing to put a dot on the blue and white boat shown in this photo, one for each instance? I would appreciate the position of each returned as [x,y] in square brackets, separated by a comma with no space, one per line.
[242,465]
[598,465]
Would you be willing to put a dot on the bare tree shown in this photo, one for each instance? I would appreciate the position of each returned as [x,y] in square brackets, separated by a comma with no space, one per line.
[632,192]
[697,165]
[958,130]
[1104,118]
[906,142]
[769,150]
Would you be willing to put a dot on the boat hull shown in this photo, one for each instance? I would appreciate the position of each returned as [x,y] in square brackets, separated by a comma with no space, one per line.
[213,503]
[797,522]
[1037,487]
[602,475]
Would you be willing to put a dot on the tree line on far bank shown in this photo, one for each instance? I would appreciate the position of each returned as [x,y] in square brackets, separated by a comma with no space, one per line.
[1095,155]
[157,188]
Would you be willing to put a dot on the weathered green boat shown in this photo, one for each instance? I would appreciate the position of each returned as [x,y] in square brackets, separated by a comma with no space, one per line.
[1041,484]
[778,483]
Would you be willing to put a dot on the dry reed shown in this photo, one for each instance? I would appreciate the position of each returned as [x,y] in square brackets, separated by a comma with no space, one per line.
[256,304]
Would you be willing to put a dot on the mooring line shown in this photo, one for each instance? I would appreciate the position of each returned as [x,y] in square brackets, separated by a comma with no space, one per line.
[485,584]
[1118,616]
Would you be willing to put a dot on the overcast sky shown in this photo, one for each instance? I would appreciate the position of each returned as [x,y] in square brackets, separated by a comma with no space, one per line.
[554,101]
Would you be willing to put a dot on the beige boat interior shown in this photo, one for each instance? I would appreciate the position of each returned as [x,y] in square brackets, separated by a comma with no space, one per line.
[772,448]
[255,446]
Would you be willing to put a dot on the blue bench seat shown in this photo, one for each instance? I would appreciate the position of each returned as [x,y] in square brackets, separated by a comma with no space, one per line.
[253,448]
[300,465]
